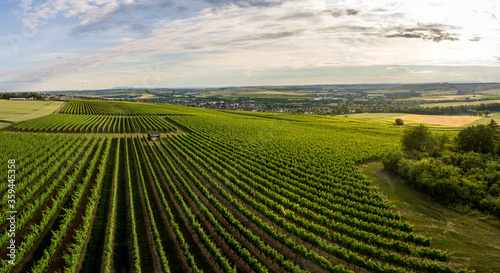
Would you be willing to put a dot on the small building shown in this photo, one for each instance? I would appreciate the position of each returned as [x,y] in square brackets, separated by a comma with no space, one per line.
[153,135]
[18,99]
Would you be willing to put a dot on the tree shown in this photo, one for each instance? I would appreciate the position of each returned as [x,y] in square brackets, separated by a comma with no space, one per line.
[479,139]
[418,138]
[496,130]
[399,121]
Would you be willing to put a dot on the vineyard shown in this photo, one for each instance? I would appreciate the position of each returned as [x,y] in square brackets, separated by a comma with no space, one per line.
[219,192]
[96,124]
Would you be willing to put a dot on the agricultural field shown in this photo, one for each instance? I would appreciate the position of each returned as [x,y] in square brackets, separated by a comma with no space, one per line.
[17,111]
[219,192]
[439,121]
[458,103]
[64,123]
[117,94]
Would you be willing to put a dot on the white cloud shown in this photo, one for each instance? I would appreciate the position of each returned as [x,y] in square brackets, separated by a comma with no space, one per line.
[80,81]
[294,35]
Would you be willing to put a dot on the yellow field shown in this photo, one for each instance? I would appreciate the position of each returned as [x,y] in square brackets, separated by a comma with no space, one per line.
[146,96]
[491,92]
[277,93]
[17,111]
[440,120]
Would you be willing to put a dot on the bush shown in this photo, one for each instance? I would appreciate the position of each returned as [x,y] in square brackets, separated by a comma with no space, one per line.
[391,161]
[399,121]
[418,138]
[479,139]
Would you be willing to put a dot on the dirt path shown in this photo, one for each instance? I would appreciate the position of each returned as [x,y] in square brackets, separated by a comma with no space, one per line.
[60,108]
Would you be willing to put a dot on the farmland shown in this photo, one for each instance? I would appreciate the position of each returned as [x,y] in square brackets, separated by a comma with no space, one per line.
[16,111]
[438,121]
[219,192]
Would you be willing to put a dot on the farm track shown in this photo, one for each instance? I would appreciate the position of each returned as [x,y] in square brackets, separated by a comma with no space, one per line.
[60,108]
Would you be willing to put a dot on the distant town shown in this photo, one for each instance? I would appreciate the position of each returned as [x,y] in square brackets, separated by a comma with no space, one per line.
[311,99]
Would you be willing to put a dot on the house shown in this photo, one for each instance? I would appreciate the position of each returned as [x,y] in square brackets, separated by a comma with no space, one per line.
[153,135]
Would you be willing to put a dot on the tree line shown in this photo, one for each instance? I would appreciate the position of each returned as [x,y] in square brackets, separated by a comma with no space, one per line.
[462,171]
[7,96]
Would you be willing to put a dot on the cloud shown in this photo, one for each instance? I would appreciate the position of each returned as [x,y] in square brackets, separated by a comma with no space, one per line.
[245,3]
[493,16]
[191,37]
[138,17]
[399,68]
[432,32]
[352,12]
[475,39]
[80,81]
[407,70]
[98,16]
[7,72]
[247,73]
[276,35]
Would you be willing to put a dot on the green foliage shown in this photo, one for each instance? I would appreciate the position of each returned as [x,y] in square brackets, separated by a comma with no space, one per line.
[467,174]
[399,121]
[96,124]
[479,139]
[418,138]
[96,107]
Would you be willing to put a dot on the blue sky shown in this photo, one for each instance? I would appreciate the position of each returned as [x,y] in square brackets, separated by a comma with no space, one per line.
[75,44]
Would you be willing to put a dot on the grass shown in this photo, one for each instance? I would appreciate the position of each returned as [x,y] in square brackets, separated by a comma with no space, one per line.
[4,124]
[17,111]
[472,237]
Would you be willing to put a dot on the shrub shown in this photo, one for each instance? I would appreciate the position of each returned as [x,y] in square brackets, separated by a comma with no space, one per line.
[418,138]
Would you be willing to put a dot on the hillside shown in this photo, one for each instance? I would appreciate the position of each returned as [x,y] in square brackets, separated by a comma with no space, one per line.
[219,192]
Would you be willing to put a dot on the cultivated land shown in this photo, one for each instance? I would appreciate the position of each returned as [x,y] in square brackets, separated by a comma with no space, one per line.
[414,119]
[457,103]
[220,191]
[17,111]
[441,120]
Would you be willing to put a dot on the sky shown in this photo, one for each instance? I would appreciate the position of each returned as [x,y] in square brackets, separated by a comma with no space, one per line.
[81,45]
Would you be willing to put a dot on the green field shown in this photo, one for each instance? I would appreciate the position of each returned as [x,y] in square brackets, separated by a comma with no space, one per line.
[458,103]
[17,111]
[118,94]
[473,237]
[219,191]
